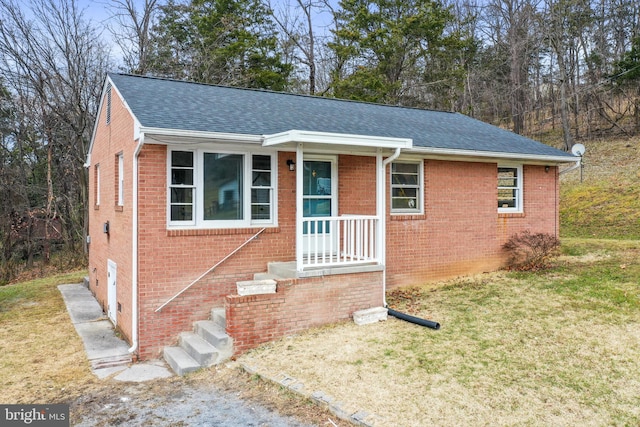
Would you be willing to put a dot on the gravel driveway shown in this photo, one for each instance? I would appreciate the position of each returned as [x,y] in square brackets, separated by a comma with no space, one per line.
[173,403]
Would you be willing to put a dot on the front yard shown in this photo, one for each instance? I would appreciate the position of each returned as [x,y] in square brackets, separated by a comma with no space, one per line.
[560,347]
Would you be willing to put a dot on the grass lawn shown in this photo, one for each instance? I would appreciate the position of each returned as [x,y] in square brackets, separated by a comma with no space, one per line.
[560,347]
[606,204]
[42,359]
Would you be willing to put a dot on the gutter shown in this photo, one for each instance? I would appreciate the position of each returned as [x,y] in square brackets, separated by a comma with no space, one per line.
[382,205]
[489,155]
[574,167]
[134,259]
[220,136]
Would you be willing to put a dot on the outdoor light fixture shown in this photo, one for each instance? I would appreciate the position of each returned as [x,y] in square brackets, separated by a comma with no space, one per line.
[291,164]
[546,168]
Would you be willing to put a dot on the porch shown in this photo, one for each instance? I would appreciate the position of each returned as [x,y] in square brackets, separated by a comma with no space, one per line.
[329,243]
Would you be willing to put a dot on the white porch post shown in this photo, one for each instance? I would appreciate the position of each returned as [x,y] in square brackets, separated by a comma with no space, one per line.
[381,214]
[380,201]
[299,206]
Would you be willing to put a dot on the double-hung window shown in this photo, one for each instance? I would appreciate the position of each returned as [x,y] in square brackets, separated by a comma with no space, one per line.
[216,189]
[406,187]
[509,188]
[120,181]
[181,187]
[261,189]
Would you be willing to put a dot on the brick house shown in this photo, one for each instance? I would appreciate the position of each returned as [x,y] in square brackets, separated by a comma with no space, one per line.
[285,211]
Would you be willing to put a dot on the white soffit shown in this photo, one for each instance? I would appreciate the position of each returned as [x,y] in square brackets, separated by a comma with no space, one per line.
[454,154]
[329,138]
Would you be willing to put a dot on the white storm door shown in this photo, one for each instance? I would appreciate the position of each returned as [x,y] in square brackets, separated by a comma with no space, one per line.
[112,301]
[319,199]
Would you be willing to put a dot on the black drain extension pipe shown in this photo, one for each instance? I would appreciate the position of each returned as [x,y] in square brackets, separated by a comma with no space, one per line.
[418,321]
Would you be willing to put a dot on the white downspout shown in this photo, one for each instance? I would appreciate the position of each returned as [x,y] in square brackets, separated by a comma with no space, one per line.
[134,260]
[299,205]
[382,213]
[392,157]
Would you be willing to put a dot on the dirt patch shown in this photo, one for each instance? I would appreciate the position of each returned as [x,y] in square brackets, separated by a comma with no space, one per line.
[222,396]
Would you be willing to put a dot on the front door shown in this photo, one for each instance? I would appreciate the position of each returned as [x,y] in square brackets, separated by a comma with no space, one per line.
[319,198]
[112,273]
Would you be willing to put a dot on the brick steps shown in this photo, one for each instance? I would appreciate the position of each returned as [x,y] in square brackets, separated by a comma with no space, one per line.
[208,345]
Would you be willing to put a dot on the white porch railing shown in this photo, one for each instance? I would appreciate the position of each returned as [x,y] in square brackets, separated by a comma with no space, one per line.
[338,241]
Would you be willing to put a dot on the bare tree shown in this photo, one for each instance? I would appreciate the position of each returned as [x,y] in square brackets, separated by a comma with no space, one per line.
[511,24]
[52,57]
[298,33]
[565,21]
[133,32]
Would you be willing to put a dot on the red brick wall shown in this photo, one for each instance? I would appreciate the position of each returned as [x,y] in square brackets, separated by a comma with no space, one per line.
[170,260]
[298,305]
[461,231]
[110,139]
[356,185]
[541,196]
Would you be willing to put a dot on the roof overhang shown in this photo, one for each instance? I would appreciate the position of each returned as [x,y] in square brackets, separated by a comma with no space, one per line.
[294,136]
[486,156]
[176,136]
[340,141]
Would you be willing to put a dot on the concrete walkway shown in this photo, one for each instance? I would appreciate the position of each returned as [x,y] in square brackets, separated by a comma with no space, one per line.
[107,354]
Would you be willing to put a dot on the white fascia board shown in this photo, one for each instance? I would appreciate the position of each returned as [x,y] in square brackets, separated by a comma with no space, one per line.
[452,154]
[136,129]
[218,136]
[95,123]
[136,123]
[296,136]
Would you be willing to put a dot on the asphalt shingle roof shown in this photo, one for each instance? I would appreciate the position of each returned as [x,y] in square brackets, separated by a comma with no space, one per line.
[172,104]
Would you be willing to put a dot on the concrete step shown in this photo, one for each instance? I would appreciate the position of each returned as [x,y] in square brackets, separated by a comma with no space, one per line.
[264,276]
[196,347]
[180,361]
[286,270]
[208,345]
[213,334]
[219,317]
[256,287]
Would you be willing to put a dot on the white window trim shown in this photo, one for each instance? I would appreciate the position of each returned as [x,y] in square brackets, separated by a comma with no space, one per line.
[273,189]
[198,221]
[181,224]
[519,187]
[120,179]
[419,209]
[97,183]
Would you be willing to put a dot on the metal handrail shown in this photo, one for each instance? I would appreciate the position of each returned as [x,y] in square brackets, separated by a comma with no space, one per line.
[209,270]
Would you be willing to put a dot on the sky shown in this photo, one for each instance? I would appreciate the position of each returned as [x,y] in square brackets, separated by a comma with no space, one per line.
[100,12]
